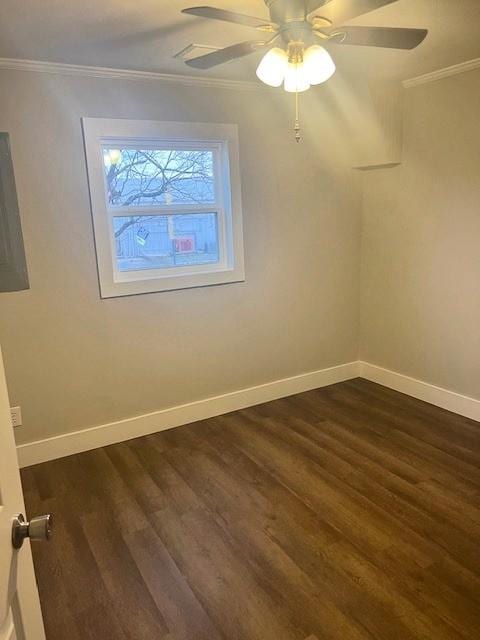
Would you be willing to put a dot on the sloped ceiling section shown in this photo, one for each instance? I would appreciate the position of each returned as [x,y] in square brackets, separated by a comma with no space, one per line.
[146,34]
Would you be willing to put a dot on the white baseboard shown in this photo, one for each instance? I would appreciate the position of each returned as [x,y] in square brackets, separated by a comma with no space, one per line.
[463,405]
[105,434]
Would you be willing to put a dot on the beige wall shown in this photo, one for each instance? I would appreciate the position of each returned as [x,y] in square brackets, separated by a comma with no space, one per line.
[73,360]
[421,243]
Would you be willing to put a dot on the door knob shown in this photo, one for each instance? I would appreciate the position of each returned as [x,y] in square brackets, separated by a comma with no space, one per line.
[39,528]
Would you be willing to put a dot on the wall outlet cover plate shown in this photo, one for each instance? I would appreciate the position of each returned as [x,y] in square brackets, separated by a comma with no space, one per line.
[16,413]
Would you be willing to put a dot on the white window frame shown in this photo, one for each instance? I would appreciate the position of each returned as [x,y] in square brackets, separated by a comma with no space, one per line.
[222,140]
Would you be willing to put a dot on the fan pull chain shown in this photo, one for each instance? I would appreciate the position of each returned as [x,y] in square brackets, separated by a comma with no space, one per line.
[297,120]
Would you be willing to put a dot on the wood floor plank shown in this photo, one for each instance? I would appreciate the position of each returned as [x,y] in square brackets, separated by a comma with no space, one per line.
[376,432]
[248,532]
[350,512]
[454,530]
[175,599]
[123,580]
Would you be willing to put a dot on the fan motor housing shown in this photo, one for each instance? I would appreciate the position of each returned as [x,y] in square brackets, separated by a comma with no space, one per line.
[284,11]
[292,17]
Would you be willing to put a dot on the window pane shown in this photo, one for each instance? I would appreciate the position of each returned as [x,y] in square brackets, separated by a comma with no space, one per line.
[156,242]
[138,177]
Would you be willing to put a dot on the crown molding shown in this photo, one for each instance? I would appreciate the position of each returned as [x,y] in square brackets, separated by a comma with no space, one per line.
[446,72]
[58,68]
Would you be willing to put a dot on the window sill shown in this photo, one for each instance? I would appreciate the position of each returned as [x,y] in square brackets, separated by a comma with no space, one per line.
[171,283]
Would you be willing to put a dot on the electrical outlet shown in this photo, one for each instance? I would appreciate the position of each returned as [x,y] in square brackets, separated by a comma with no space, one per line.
[16,413]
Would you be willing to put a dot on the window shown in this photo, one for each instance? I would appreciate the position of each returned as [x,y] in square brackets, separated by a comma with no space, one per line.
[166,204]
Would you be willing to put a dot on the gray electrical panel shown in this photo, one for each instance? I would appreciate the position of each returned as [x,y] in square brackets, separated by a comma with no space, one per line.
[13,266]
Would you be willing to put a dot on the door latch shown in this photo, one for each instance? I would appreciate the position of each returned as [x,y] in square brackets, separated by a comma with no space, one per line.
[39,528]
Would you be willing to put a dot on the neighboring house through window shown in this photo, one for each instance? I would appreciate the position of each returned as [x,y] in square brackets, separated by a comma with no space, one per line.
[166,204]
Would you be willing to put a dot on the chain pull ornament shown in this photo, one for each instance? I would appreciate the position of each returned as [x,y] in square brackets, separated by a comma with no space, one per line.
[296,128]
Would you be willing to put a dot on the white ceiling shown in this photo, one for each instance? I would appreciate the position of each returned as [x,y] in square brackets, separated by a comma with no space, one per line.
[145,35]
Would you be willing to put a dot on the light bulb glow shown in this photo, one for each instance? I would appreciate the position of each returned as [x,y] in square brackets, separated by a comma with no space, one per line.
[318,64]
[295,78]
[111,157]
[272,67]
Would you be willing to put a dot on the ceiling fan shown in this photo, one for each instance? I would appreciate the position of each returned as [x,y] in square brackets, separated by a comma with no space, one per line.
[301,25]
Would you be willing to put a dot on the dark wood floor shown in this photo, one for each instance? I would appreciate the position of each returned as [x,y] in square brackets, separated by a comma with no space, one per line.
[346,513]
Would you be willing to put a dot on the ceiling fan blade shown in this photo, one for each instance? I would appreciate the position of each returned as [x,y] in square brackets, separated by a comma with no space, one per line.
[225,55]
[314,5]
[229,16]
[339,11]
[388,37]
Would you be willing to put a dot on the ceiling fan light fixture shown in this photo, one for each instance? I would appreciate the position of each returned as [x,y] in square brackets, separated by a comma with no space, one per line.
[292,21]
[273,67]
[318,64]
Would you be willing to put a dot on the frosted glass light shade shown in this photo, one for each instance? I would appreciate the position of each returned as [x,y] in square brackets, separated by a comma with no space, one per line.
[318,64]
[272,67]
[295,78]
